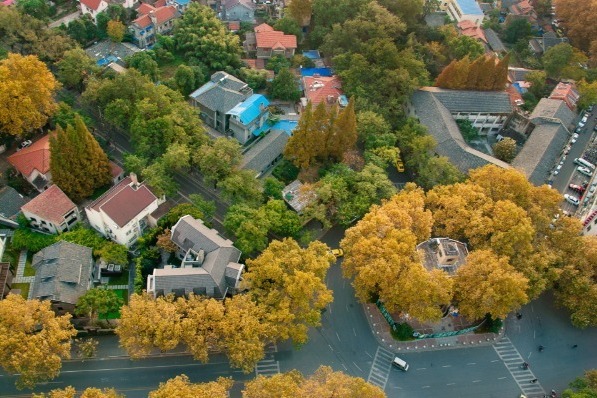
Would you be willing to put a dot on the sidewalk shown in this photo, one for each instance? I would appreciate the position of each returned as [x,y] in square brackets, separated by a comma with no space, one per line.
[381,331]
[19,278]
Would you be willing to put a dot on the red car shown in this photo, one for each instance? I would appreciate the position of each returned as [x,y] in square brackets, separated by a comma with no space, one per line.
[576,188]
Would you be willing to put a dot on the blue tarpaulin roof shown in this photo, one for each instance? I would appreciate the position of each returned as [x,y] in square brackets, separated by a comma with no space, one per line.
[286,126]
[470,7]
[249,109]
[327,72]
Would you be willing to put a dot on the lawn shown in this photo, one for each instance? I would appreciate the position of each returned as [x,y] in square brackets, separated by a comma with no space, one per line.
[29,270]
[120,280]
[124,295]
[24,288]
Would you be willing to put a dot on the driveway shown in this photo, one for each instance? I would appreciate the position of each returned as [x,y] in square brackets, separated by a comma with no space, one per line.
[66,19]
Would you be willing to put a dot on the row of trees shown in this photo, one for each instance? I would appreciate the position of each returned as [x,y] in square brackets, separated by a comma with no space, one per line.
[286,293]
[517,250]
[484,73]
[292,384]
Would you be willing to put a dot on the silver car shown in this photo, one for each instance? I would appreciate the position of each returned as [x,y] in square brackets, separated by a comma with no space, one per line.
[584,170]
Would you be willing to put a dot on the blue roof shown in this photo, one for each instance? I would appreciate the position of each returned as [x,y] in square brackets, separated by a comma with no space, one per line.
[286,126]
[470,7]
[312,54]
[327,72]
[182,2]
[249,109]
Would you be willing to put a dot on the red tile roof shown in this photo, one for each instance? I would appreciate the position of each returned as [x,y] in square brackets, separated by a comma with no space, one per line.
[51,205]
[124,202]
[567,93]
[162,14]
[233,26]
[263,28]
[319,89]
[115,169]
[92,4]
[275,39]
[468,28]
[35,157]
[159,3]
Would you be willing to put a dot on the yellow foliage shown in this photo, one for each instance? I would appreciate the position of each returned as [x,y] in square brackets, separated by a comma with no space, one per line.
[180,386]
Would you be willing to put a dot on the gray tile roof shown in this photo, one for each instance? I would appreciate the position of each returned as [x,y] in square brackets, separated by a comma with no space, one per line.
[222,92]
[441,125]
[62,272]
[191,234]
[541,151]
[260,155]
[10,202]
[518,74]
[552,110]
[494,41]
[472,101]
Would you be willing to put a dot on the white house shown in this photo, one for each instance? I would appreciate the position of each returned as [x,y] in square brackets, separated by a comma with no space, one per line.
[460,10]
[52,211]
[121,214]
[93,7]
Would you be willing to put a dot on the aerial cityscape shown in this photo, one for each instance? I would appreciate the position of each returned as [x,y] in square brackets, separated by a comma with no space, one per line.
[298,198]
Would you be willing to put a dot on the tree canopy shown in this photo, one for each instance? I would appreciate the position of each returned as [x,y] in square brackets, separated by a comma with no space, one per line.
[96,302]
[484,73]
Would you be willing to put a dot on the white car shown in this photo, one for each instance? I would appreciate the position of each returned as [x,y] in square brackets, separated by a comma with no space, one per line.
[585,118]
[572,199]
[24,144]
[574,138]
[584,170]
[557,170]
[581,124]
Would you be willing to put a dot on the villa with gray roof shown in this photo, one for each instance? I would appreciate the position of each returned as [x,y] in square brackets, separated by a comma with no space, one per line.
[548,123]
[265,152]
[431,110]
[62,274]
[219,96]
[210,264]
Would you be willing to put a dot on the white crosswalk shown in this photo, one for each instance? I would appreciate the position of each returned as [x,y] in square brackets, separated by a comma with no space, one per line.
[268,366]
[380,369]
[513,361]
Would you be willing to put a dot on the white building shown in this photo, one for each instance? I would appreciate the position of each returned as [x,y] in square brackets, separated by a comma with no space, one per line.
[94,7]
[52,211]
[461,10]
[121,214]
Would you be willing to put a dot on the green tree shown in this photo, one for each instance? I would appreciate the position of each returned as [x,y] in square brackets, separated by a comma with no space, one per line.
[272,188]
[75,68]
[113,253]
[437,170]
[217,160]
[96,302]
[144,62]
[115,31]
[374,130]
[83,30]
[289,26]
[588,93]
[284,86]
[177,157]
[505,149]
[178,211]
[465,46]
[516,29]
[241,186]
[159,177]
[537,78]
[31,328]
[78,163]
[287,281]
[277,63]
[199,35]
[255,78]
[184,77]
[557,58]
[249,226]
[39,9]
[207,207]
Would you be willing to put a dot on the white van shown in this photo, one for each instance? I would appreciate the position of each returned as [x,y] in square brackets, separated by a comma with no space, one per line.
[582,162]
[400,364]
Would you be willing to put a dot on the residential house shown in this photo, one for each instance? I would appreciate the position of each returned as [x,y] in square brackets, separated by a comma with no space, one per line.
[323,89]
[297,197]
[539,45]
[566,92]
[93,7]
[468,28]
[525,10]
[549,132]
[265,152]
[248,118]
[218,96]
[265,42]
[121,214]
[459,10]
[117,173]
[10,206]
[238,10]
[152,21]
[33,163]
[493,41]
[589,220]
[259,64]
[63,273]
[52,211]
[436,113]
[181,5]
[209,265]
[443,253]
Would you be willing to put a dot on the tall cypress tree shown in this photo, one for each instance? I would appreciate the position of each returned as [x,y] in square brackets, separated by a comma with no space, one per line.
[501,74]
[346,131]
[77,162]
[298,149]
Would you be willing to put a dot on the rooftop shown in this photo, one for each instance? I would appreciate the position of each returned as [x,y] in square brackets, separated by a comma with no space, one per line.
[265,151]
[322,89]
[34,157]
[443,253]
[552,111]
[493,102]
[161,14]
[222,93]
[91,4]
[469,7]
[10,203]
[51,205]
[267,37]
[249,109]
[296,196]
[124,201]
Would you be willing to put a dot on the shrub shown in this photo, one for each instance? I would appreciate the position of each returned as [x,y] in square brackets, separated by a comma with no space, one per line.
[403,332]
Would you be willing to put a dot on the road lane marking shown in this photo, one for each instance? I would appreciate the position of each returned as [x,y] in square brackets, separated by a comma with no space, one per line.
[357,366]
[502,378]
[426,387]
[338,336]
[495,360]
[330,347]
[370,356]
[522,377]
[476,381]
[421,368]
[380,368]
[355,333]
[446,366]
[451,384]
[472,363]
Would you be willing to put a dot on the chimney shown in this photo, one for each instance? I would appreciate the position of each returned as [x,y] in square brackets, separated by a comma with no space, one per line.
[134,181]
[152,17]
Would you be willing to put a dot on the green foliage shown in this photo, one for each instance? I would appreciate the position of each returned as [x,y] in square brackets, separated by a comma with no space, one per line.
[241,186]
[465,46]
[26,239]
[200,35]
[284,86]
[272,188]
[285,171]
[403,332]
[256,79]
[188,79]
[75,68]
[39,9]
[537,78]
[218,159]
[159,177]
[83,30]
[277,63]
[178,211]
[588,94]
[207,207]
[289,26]
[583,387]
[517,29]
[557,58]
[438,170]
[299,60]
[145,62]
[374,130]
[85,236]
[490,325]
[78,163]
[98,301]
[505,149]
[468,131]
[66,115]
[113,253]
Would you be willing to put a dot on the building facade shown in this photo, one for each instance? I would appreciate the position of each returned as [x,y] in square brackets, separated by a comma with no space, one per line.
[152,21]
[52,211]
[460,10]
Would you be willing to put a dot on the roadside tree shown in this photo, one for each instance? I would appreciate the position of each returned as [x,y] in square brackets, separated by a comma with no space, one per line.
[70,392]
[98,301]
[181,386]
[218,159]
[75,68]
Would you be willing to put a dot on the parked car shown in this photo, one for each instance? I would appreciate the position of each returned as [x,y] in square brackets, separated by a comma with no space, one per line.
[337,252]
[593,188]
[24,144]
[574,138]
[576,188]
[584,119]
[572,199]
[590,108]
[557,170]
[584,170]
